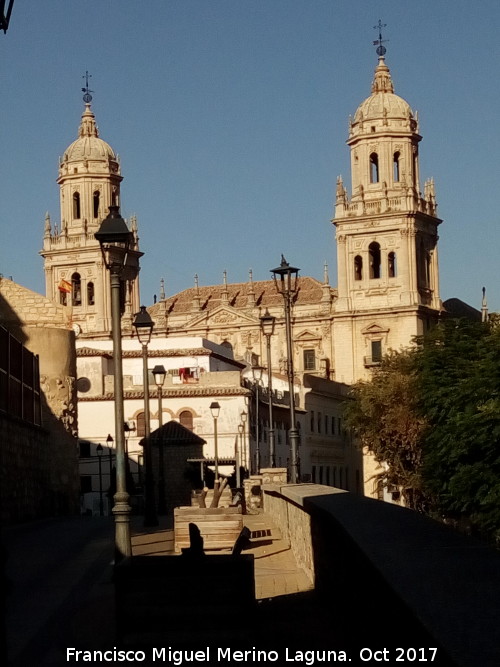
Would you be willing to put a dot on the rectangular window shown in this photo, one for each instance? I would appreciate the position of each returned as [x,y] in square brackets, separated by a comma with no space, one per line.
[376,350]
[328,476]
[309,360]
[314,474]
[321,474]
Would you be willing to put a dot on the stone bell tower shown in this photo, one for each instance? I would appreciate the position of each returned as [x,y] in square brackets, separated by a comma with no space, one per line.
[75,274]
[386,232]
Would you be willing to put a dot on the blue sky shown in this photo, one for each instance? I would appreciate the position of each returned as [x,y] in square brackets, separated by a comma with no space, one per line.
[230,118]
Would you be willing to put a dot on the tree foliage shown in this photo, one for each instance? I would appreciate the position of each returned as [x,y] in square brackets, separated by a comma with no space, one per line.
[383,414]
[458,387]
[432,415]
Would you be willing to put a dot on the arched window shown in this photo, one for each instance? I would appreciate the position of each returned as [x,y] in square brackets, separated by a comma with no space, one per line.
[395,167]
[186,419]
[76,206]
[391,265]
[374,251]
[96,203]
[90,294]
[141,425]
[358,267]
[76,290]
[374,175]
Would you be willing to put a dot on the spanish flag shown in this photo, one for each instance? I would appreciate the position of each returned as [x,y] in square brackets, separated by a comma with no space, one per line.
[64,286]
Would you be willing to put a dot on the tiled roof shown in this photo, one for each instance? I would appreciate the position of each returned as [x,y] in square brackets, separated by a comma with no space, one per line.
[177,391]
[173,433]
[310,291]
[91,352]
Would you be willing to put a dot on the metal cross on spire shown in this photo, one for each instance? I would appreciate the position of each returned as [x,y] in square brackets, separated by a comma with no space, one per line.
[87,97]
[379,43]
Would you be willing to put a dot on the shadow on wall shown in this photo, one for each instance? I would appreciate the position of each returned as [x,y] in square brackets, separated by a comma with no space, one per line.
[38,455]
[406,581]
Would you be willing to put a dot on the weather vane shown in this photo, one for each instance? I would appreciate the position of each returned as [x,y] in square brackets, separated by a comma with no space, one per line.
[379,43]
[87,97]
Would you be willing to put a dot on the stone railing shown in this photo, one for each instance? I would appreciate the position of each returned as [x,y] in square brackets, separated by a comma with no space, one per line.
[404,577]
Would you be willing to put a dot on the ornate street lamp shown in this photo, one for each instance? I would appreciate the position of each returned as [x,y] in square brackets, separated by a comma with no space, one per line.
[267,322]
[215,410]
[241,428]
[257,377]
[144,328]
[243,417]
[99,450]
[122,262]
[286,279]
[159,374]
[5,15]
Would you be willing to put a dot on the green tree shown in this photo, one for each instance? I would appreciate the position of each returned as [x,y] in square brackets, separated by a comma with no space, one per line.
[384,416]
[457,373]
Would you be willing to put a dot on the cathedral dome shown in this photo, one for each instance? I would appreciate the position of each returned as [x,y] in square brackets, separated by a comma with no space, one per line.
[88,146]
[384,107]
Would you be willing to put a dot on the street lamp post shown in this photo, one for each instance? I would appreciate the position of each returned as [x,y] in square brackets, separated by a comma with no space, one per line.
[122,262]
[99,450]
[237,450]
[286,281]
[257,376]
[243,417]
[159,374]
[267,322]
[109,445]
[5,14]
[215,410]
[144,327]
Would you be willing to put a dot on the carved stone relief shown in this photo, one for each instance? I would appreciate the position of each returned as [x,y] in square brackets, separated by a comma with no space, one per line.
[60,394]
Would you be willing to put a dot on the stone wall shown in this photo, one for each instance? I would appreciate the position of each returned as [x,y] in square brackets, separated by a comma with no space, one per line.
[178,486]
[47,482]
[28,488]
[401,576]
[285,504]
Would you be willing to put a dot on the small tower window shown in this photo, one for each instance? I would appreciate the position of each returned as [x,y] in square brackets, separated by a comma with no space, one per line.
[374,175]
[96,203]
[90,294]
[391,265]
[374,251]
[76,290]
[358,267]
[76,206]
[114,199]
[424,265]
[395,167]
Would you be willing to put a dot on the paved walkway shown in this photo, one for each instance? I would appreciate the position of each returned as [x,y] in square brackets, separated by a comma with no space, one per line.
[61,593]
[276,571]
